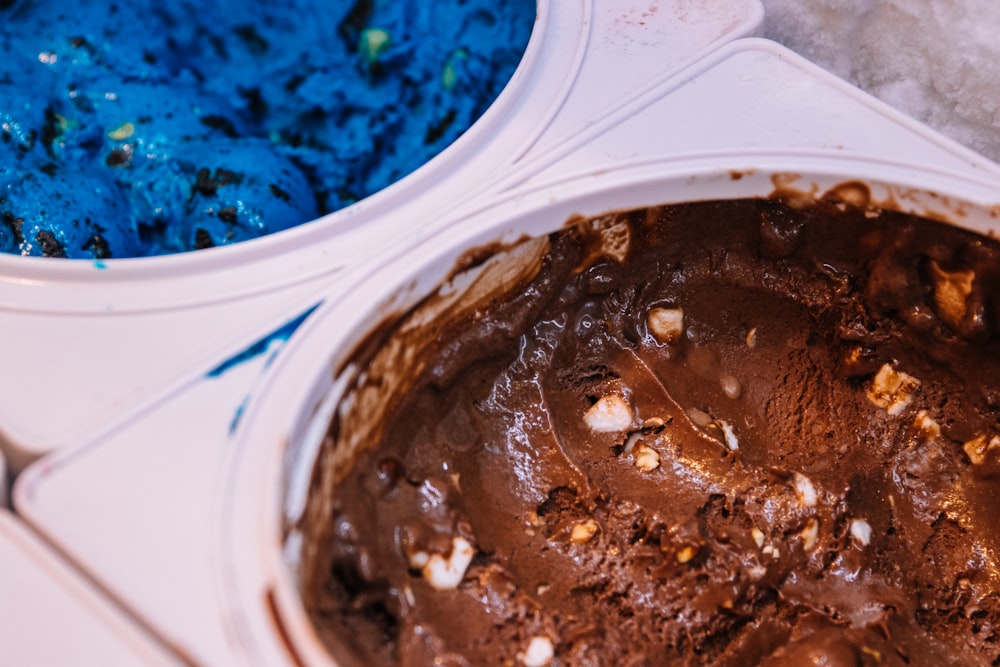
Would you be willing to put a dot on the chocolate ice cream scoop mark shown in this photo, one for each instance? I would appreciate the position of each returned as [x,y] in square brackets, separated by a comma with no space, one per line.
[609,414]
[666,324]
[651,396]
[978,448]
[532,450]
[892,389]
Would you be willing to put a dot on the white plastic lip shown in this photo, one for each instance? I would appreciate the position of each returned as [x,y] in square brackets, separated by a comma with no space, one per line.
[280,432]
[29,272]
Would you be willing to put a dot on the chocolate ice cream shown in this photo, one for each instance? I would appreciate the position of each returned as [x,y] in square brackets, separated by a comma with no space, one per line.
[754,432]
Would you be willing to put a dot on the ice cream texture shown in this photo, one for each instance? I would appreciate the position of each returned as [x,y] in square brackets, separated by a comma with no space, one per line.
[148,128]
[752,432]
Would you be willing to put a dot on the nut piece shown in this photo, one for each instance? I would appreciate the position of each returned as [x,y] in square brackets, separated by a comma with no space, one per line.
[583,531]
[805,490]
[730,435]
[686,554]
[861,532]
[609,414]
[666,324]
[758,537]
[700,417]
[951,290]
[447,573]
[810,534]
[647,459]
[752,338]
[539,652]
[731,386]
[978,448]
[929,428]
[122,132]
[875,654]
[892,390]
[632,440]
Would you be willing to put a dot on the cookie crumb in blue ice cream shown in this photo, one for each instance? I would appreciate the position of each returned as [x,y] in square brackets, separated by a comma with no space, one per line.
[156,127]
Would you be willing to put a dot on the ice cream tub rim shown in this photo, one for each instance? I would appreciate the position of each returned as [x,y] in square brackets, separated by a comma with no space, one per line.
[285,423]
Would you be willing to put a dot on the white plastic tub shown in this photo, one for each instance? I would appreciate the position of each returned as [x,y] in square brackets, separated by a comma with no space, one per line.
[174,506]
[285,422]
[51,616]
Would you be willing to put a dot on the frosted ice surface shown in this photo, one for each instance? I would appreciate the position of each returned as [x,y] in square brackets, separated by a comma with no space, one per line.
[937,61]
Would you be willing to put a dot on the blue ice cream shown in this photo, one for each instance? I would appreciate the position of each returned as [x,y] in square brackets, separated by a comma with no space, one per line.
[66,214]
[174,125]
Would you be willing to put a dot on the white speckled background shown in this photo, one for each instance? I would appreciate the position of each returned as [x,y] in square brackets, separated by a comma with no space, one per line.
[936,60]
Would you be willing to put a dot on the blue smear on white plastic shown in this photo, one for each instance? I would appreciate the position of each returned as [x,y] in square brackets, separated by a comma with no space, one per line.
[271,345]
[279,336]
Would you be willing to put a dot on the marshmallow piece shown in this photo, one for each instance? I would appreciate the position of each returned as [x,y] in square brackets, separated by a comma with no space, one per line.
[861,532]
[539,652]
[447,573]
[666,324]
[609,414]
[977,448]
[805,490]
[892,390]
[729,434]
